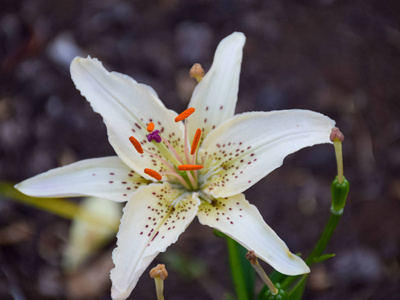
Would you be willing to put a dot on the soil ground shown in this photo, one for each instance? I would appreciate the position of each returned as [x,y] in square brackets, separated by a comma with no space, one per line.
[340,58]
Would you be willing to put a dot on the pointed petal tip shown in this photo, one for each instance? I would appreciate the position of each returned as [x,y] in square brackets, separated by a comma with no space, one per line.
[298,264]
[237,37]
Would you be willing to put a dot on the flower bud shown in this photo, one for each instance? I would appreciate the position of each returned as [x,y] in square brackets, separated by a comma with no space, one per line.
[339,195]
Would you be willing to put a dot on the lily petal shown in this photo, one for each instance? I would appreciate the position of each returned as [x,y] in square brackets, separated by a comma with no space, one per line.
[127,107]
[149,225]
[214,98]
[249,146]
[240,220]
[106,177]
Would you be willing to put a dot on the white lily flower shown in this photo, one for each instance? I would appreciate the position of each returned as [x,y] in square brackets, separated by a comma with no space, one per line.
[232,154]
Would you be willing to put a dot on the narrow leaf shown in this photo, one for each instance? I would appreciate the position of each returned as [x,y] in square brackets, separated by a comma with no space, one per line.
[243,274]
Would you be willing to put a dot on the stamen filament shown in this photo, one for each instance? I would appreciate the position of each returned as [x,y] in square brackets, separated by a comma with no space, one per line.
[185,142]
[136,144]
[161,160]
[196,140]
[179,177]
[190,167]
[150,127]
[172,149]
[153,174]
[251,256]
[192,181]
[183,115]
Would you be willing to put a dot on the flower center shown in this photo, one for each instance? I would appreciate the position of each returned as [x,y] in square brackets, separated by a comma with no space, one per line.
[182,169]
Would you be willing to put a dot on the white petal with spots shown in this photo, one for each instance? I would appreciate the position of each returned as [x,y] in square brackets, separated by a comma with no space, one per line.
[127,107]
[106,177]
[249,146]
[214,98]
[149,225]
[240,220]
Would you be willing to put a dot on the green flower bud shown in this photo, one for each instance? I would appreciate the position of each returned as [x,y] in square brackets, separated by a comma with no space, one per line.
[280,296]
[339,195]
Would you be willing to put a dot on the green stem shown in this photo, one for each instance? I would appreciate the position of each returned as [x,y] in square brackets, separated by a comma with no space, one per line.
[241,270]
[326,236]
[321,245]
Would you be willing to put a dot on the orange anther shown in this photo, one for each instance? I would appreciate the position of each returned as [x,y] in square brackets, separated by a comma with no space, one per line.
[136,144]
[150,127]
[153,174]
[183,115]
[189,167]
[195,142]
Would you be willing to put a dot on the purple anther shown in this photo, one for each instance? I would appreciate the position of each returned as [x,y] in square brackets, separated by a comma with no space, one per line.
[154,136]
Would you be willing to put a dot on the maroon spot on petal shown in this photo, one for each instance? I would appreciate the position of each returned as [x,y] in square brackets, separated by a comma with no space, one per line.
[112,174]
[221,107]
[141,233]
[231,222]
[93,174]
[155,236]
[110,181]
[137,125]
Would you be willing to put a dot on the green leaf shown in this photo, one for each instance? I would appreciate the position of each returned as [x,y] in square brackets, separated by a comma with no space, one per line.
[322,258]
[297,292]
[219,234]
[243,274]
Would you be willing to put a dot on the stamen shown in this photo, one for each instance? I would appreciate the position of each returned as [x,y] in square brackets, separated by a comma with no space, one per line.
[251,256]
[195,142]
[197,72]
[159,274]
[183,115]
[153,174]
[136,144]
[150,127]
[154,136]
[337,138]
[190,167]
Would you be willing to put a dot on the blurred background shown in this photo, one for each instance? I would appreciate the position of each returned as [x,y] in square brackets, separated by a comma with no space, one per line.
[340,58]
